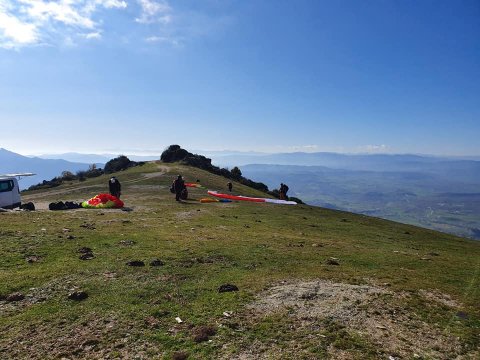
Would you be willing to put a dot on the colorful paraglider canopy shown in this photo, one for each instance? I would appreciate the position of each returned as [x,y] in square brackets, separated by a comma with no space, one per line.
[194,185]
[251,199]
[103,201]
[210,200]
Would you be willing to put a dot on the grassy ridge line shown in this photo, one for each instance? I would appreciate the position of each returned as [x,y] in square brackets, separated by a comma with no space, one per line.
[203,246]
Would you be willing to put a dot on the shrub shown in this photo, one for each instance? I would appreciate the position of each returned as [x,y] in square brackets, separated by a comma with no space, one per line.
[118,164]
[174,153]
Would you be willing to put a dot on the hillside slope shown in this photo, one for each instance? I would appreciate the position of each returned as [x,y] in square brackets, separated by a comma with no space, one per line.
[312,283]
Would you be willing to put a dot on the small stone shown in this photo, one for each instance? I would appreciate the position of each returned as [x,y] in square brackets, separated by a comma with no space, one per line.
[227,288]
[157,262]
[462,315]
[17,296]
[136,263]
[179,355]
[78,295]
[152,322]
[332,261]
[87,256]
[202,333]
[127,242]
[33,259]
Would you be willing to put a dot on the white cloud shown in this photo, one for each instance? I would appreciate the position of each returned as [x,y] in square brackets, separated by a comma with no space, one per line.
[154,11]
[374,148]
[164,39]
[29,22]
[65,11]
[110,4]
[304,148]
[14,31]
[93,35]
[71,22]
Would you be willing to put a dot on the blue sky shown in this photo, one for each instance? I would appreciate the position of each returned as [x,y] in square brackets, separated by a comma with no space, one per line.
[137,75]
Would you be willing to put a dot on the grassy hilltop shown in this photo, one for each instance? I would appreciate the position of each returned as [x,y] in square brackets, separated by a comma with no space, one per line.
[312,283]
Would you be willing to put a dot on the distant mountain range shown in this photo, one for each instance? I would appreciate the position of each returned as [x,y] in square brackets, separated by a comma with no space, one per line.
[385,162]
[45,169]
[96,158]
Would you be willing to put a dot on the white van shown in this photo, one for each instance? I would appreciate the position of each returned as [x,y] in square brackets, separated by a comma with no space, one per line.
[9,193]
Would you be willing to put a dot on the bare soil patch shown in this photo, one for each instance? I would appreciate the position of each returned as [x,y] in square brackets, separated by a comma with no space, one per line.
[370,312]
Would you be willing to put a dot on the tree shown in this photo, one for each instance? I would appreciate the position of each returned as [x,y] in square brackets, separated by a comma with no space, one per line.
[119,163]
[68,176]
[236,173]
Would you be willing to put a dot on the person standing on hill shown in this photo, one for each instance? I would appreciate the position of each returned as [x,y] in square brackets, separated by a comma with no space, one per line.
[283,191]
[229,185]
[178,186]
[115,187]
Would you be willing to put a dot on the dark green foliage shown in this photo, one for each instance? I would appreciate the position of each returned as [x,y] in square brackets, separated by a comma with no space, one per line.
[275,193]
[68,176]
[253,184]
[81,175]
[92,172]
[297,200]
[118,164]
[236,173]
[174,153]
[45,184]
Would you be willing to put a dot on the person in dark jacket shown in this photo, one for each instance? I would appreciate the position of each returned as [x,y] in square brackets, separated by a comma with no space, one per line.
[229,185]
[115,187]
[179,187]
[283,191]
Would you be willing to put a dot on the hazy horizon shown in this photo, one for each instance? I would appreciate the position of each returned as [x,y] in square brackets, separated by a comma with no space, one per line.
[227,152]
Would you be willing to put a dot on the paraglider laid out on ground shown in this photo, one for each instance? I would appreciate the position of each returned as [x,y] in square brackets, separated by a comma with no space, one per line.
[251,199]
[103,201]
[210,200]
[194,185]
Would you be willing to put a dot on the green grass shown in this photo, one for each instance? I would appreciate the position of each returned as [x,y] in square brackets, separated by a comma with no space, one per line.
[204,246]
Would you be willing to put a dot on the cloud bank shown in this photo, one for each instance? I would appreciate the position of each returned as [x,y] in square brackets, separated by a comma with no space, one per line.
[41,22]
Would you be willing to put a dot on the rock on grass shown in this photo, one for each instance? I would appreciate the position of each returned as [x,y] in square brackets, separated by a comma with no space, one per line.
[78,295]
[180,355]
[15,297]
[227,288]
[136,263]
[203,333]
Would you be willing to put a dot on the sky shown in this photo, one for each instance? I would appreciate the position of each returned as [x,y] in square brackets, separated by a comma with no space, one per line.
[134,76]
